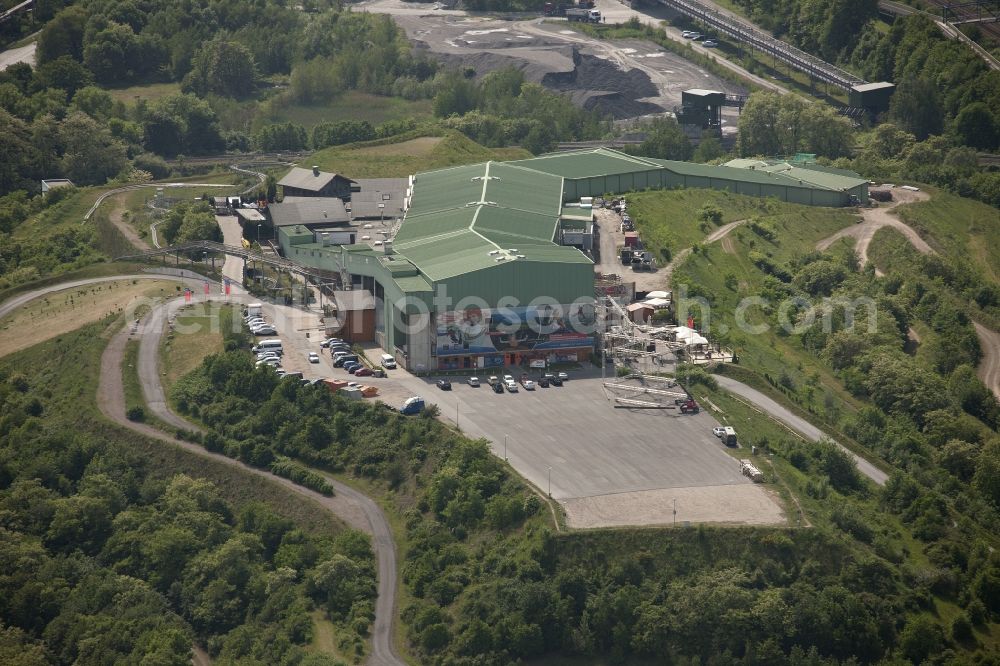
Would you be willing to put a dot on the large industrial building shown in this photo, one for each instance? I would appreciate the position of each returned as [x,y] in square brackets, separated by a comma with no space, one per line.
[487,266]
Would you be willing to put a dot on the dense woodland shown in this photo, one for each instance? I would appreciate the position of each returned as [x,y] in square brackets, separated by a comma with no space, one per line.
[108,559]
[904,573]
[490,582]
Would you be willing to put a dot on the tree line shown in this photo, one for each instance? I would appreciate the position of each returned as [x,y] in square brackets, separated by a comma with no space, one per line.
[110,559]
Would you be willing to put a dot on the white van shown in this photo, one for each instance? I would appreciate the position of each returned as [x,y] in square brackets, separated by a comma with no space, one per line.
[388,361]
[268,345]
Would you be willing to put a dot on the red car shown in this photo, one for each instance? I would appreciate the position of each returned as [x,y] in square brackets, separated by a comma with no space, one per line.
[363,372]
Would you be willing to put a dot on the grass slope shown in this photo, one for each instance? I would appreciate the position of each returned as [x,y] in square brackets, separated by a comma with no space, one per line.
[400,158]
[352,105]
[69,367]
[180,355]
[961,229]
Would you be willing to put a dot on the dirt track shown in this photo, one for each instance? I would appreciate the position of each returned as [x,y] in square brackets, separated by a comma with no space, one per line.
[875,219]
[989,367]
[351,506]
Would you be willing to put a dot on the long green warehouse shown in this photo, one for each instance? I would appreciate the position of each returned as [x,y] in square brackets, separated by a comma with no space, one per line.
[480,273]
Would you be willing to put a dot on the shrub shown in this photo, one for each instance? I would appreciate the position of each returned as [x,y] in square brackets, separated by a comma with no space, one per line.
[135,414]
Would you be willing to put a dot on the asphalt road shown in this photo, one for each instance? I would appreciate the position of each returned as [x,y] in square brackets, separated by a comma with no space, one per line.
[21,54]
[346,503]
[796,423]
[355,508]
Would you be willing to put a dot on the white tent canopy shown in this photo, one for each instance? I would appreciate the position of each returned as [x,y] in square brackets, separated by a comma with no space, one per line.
[657,302]
[696,340]
[658,294]
[683,333]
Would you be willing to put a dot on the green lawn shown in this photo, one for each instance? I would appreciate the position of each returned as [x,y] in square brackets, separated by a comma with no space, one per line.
[668,220]
[724,274]
[961,229]
[379,159]
[352,105]
[150,92]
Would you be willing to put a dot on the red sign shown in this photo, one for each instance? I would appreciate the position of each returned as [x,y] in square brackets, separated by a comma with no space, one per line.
[227,287]
[206,289]
[690,321]
[187,295]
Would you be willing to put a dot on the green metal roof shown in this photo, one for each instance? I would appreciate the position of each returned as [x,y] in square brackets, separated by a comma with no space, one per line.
[811,175]
[466,219]
[587,163]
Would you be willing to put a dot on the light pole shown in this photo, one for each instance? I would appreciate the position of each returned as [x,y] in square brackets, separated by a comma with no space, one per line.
[675,512]
[550,482]
[504,446]
[258,234]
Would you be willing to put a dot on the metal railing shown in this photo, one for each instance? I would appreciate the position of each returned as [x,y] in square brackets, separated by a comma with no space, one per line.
[744,33]
[194,247]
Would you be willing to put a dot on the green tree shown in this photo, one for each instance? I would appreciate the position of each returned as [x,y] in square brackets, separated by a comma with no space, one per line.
[222,67]
[63,35]
[91,155]
[916,107]
[64,73]
[666,140]
[337,584]
[977,126]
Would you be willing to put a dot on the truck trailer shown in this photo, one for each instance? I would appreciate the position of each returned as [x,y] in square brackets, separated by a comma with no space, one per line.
[583,15]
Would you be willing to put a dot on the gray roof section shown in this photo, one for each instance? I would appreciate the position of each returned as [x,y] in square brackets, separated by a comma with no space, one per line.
[309,211]
[381,184]
[307,179]
[370,192]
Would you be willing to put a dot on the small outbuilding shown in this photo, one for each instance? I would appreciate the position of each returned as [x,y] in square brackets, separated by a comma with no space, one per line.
[315,183]
[55,183]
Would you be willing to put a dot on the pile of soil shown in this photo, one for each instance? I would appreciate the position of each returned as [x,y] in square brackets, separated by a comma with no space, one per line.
[591,82]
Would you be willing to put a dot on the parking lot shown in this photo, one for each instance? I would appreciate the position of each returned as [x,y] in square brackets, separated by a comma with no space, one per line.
[605,465]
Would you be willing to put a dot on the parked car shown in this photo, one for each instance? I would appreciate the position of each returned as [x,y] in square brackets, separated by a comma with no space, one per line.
[710,43]
[528,385]
[508,378]
[563,376]
[265,330]
[510,385]
[363,372]
[718,431]
[352,367]
[472,381]
[443,384]
[378,372]
[543,382]
[493,380]
[497,388]
[313,357]
[344,360]
[552,379]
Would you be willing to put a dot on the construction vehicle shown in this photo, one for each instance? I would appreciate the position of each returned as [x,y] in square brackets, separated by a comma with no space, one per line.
[583,15]
[690,407]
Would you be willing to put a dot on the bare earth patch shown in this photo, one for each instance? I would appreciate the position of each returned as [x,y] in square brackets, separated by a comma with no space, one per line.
[731,504]
[414,147]
[60,312]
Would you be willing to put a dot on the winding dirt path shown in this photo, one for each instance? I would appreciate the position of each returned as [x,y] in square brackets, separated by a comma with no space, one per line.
[989,367]
[351,506]
[678,259]
[354,508]
[117,218]
[875,219]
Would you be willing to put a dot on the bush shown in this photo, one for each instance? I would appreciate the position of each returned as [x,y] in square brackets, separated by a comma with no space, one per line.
[136,414]
[154,164]
[300,474]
